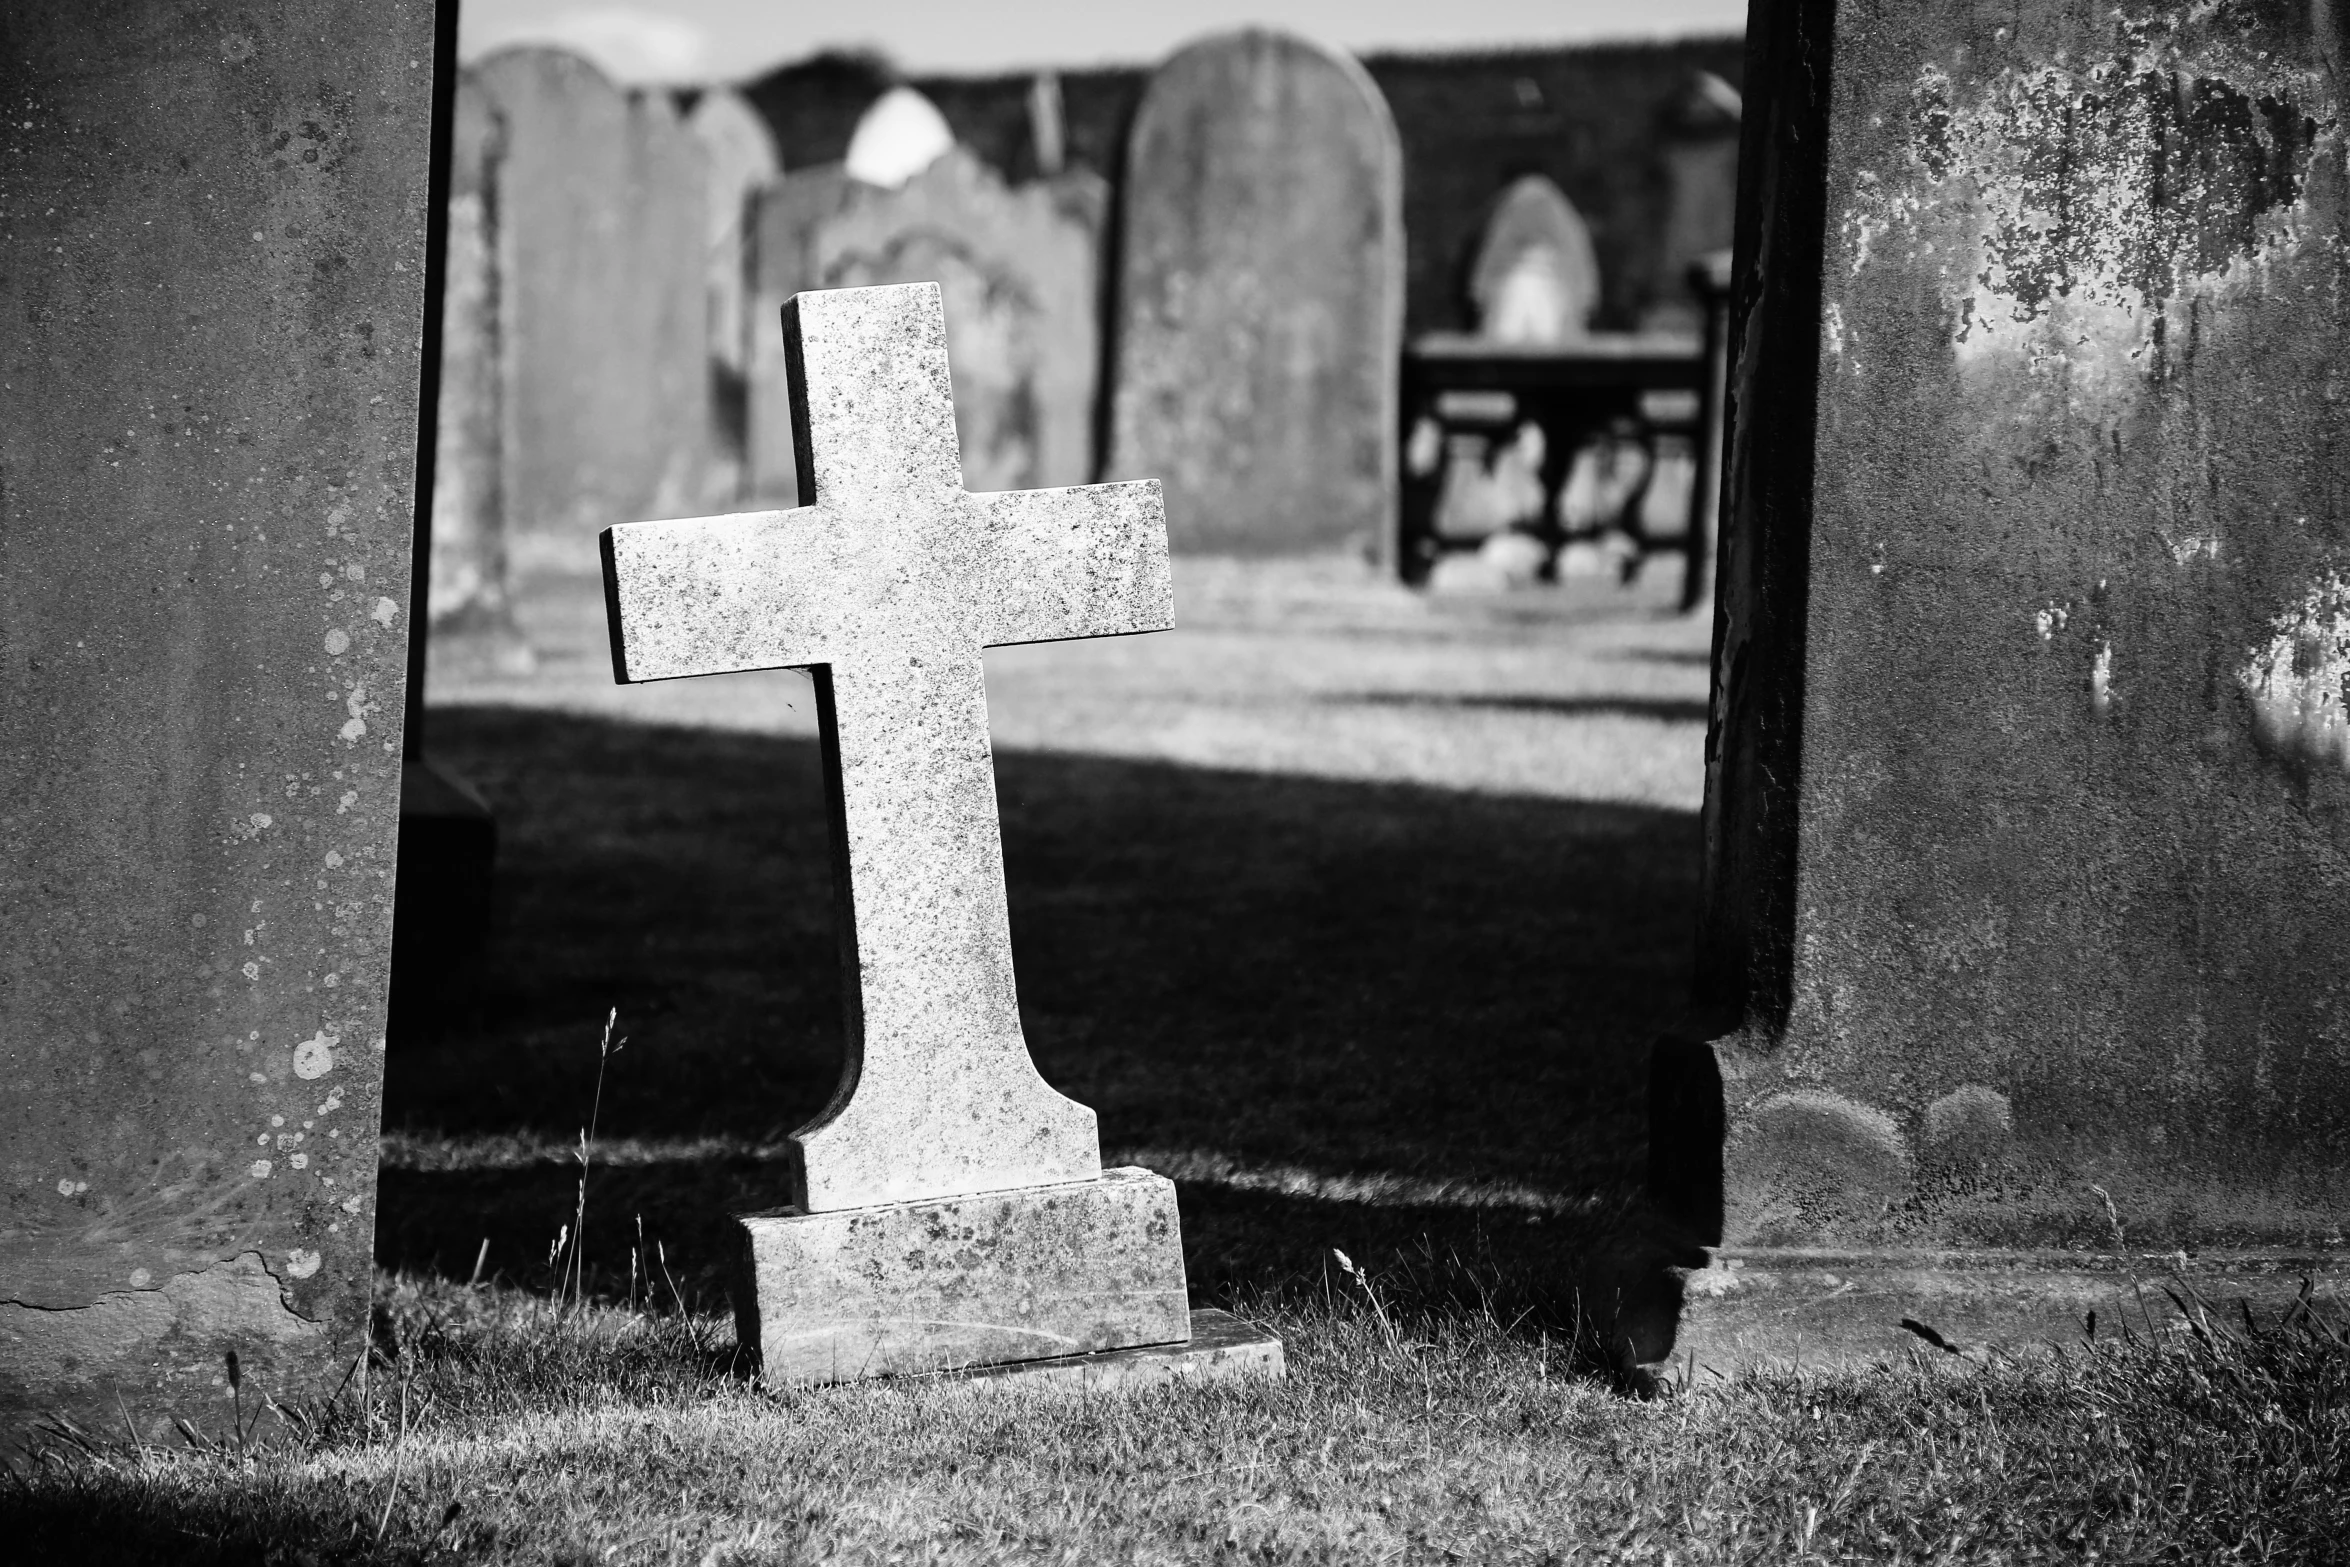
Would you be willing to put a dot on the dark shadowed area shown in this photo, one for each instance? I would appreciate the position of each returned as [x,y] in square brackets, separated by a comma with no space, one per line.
[1386,1016]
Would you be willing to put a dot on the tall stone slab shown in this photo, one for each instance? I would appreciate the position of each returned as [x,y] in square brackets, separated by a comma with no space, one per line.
[602,257]
[1020,271]
[213,302]
[1259,316]
[2028,811]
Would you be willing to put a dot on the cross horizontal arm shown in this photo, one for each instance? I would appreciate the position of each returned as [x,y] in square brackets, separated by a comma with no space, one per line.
[709,595]
[1084,562]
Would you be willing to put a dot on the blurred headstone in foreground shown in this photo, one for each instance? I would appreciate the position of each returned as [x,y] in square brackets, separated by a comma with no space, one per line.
[1020,269]
[214,275]
[602,256]
[1260,299]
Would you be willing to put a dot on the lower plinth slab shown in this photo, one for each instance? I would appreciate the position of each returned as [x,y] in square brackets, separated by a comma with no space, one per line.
[1766,1307]
[953,1283]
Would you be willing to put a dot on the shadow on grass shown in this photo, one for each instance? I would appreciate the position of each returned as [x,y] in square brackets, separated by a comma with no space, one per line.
[1310,990]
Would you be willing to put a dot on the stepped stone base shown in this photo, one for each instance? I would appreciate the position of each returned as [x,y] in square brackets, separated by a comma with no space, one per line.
[1037,1273]
[1769,1307]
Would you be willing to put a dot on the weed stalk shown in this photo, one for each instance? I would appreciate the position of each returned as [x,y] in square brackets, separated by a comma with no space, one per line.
[576,1275]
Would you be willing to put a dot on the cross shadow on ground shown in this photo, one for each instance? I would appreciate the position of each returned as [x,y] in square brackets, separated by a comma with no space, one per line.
[1406,1022]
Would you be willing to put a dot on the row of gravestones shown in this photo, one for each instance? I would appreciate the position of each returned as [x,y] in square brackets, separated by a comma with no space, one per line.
[616,273]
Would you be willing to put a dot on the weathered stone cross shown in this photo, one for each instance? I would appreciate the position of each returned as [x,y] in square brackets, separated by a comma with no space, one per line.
[886,588]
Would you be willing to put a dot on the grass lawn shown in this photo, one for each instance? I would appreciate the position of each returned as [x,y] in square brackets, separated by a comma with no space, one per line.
[1350,910]
[1404,1433]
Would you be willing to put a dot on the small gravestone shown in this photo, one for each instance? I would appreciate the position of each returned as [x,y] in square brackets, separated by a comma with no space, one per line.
[1260,298]
[1534,284]
[1020,271]
[603,256]
[949,1209]
[1536,278]
[213,277]
[738,158]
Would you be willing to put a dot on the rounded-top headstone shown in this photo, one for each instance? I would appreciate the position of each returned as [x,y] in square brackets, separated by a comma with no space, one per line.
[1536,279]
[1260,300]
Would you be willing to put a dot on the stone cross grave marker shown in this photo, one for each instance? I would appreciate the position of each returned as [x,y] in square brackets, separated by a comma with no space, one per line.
[950,1206]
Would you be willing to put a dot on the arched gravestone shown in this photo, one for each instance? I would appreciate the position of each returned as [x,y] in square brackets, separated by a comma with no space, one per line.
[1020,271]
[602,244]
[1536,279]
[1260,298]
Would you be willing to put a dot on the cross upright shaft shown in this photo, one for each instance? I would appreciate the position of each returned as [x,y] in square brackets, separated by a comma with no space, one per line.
[886,588]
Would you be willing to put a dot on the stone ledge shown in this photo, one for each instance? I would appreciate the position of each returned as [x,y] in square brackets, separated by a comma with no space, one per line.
[1035,1273]
[1753,1306]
